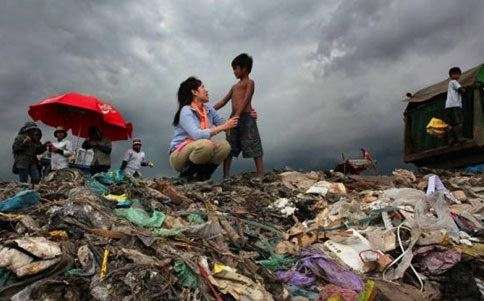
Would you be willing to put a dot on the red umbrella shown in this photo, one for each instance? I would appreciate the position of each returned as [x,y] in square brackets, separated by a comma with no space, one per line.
[78,112]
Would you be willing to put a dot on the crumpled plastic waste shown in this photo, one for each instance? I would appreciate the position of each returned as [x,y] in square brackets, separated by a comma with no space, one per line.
[284,206]
[295,278]
[110,177]
[435,260]
[228,281]
[88,262]
[324,187]
[323,266]
[299,181]
[141,218]
[435,185]
[230,223]
[348,250]
[277,262]
[22,255]
[186,275]
[20,201]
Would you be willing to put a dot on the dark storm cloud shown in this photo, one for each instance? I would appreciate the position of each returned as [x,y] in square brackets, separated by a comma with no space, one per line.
[135,53]
[361,33]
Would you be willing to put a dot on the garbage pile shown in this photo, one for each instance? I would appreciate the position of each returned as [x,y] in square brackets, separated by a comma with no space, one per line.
[286,236]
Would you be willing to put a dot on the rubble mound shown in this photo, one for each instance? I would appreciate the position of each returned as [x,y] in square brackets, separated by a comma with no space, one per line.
[286,236]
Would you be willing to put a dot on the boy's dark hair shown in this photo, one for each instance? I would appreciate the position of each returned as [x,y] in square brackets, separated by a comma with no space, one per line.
[243,61]
[454,70]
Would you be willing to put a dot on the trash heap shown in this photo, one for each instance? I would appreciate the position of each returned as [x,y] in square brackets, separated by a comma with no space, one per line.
[287,236]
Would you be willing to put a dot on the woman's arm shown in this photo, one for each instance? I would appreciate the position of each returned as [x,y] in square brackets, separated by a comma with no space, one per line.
[191,125]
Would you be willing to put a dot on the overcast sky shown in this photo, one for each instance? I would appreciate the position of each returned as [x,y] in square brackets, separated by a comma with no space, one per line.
[330,75]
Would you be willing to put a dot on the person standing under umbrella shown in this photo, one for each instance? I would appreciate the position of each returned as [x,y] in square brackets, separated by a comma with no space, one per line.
[101,147]
[60,150]
[25,149]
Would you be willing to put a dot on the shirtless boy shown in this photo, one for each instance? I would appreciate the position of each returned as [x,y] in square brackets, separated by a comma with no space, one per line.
[245,137]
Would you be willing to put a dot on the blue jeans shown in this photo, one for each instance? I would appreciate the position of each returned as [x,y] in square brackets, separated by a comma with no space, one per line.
[32,171]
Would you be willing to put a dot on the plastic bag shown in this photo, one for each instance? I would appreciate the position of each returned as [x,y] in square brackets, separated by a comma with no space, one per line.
[195,219]
[186,275]
[110,177]
[436,127]
[20,201]
[276,262]
[96,187]
[140,218]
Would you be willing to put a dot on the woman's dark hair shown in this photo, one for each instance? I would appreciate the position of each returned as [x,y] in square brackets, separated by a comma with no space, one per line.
[185,95]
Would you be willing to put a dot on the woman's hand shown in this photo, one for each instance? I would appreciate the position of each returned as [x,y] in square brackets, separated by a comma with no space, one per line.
[231,123]
[253,113]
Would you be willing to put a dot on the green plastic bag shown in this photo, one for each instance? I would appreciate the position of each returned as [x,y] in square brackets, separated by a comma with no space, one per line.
[186,275]
[97,187]
[167,232]
[110,177]
[140,218]
[278,262]
[195,219]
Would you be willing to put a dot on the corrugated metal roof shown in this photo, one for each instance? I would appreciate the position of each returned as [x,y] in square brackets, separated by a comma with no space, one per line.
[467,78]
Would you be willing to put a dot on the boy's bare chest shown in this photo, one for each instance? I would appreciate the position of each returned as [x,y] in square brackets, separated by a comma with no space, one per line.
[239,91]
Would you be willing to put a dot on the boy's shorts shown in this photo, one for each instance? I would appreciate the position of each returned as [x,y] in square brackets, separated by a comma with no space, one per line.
[454,116]
[245,138]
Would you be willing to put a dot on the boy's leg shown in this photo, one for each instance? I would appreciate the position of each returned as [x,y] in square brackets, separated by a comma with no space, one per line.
[459,120]
[233,138]
[227,164]
[259,166]
[251,142]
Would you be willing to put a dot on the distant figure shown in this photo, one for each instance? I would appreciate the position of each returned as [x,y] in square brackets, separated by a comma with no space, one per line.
[192,152]
[25,149]
[133,159]
[453,107]
[101,147]
[61,150]
[245,137]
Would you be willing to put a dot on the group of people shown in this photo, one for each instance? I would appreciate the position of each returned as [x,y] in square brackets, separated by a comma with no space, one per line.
[27,148]
[193,151]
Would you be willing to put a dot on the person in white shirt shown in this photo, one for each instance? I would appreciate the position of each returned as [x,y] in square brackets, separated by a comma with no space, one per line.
[60,150]
[134,159]
[453,107]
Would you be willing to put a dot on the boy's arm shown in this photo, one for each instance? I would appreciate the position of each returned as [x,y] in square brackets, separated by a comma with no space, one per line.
[221,103]
[456,86]
[247,98]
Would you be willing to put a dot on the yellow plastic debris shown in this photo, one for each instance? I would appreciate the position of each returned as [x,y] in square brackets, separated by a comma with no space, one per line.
[117,198]
[104,265]
[58,235]
[219,267]
[369,291]
[437,127]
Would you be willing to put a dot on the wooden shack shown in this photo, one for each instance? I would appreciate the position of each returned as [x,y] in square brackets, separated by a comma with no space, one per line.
[423,149]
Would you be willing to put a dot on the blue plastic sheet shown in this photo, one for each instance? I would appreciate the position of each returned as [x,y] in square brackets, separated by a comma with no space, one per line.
[475,169]
[20,201]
